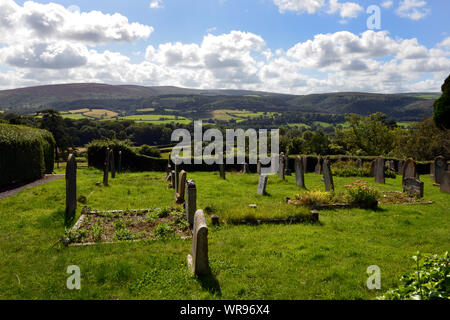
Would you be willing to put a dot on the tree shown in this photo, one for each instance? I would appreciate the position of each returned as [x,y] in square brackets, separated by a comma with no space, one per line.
[53,122]
[367,136]
[442,107]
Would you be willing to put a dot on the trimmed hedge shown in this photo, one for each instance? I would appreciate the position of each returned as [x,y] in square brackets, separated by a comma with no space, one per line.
[26,154]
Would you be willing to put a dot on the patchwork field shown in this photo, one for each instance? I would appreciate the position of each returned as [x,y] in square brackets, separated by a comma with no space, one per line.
[157,119]
[326,260]
[238,115]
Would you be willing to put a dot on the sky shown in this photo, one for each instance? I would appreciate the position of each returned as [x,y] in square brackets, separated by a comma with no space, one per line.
[287,46]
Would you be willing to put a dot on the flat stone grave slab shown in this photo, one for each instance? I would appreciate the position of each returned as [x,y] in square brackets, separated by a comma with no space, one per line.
[121,225]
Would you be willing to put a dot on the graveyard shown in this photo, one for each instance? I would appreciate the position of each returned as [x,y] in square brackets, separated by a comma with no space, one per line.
[137,239]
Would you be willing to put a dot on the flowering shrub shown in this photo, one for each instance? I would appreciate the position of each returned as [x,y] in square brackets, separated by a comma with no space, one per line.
[358,193]
[315,198]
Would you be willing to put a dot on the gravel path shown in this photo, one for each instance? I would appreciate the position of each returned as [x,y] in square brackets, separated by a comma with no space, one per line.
[47,178]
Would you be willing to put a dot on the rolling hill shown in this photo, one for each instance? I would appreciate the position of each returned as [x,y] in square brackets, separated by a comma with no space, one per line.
[194,103]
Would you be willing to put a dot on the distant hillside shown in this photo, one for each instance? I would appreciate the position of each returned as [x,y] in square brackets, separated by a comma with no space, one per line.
[199,103]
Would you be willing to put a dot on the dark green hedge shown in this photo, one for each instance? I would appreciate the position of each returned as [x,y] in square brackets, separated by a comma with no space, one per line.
[25,154]
[131,160]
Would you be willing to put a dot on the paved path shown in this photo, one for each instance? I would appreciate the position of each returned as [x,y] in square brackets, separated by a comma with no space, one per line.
[47,178]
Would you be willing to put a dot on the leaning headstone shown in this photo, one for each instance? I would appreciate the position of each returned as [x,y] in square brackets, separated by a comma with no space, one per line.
[258,167]
[106,169]
[119,165]
[198,259]
[318,168]
[111,162]
[71,188]
[299,172]
[440,166]
[409,170]
[379,171]
[413,187]
[222,171]
[191,201]
[445,182]
[262,183]
[281,166]
[327,176]
[179,196]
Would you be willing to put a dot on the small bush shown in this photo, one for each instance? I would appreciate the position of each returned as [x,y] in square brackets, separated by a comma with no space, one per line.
[315,198]
[358,193]
[429,280]
[146,150]
[163,230]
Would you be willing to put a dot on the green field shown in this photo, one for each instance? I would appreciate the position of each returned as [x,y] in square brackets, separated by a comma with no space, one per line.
[327,260]
[157,119]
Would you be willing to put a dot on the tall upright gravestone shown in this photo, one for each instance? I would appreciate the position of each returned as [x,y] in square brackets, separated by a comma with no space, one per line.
[299,172]
[281,167]
[327,176]
[106,168]
[111,163]
[71,188]
[305,164]
[222,171]
[400,166]
[379,171]
[258,167]
[198,260]
[191,201]
[440,166]
[409,170]
[318,168]
[119,165]
[445,182]
[179,194]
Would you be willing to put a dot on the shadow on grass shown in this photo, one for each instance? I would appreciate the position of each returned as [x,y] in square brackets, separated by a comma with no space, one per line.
[211,284]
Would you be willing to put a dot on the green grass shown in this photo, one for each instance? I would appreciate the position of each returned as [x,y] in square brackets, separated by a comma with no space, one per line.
[303,261]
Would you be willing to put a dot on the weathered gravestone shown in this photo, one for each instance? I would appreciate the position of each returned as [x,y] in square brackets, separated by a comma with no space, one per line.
[445,182]
[318,168]
[327,176]
[281,166]
[440,166]
[409,170]
[106,169]
[191,201]
[258,167]
[71,188]
[372,168]
[359,164]
[111,163]
[198,260]
[287,171]
[179,195]
[379,171]
[262,183]
[413,187]
[391,165]
[222,171]
[172,179]
[400,167]
[245,168]
[299,172]
[119,165]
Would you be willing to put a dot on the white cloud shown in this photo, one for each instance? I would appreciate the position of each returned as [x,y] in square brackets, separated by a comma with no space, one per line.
[309,6]
[413,9]
[156,4]
[52,21]
[445,43]
[346,9]
[387,4]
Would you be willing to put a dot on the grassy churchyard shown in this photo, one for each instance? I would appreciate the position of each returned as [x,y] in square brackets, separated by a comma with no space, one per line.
[325,260]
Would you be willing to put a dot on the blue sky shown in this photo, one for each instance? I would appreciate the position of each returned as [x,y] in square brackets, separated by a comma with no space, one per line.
[292,46]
